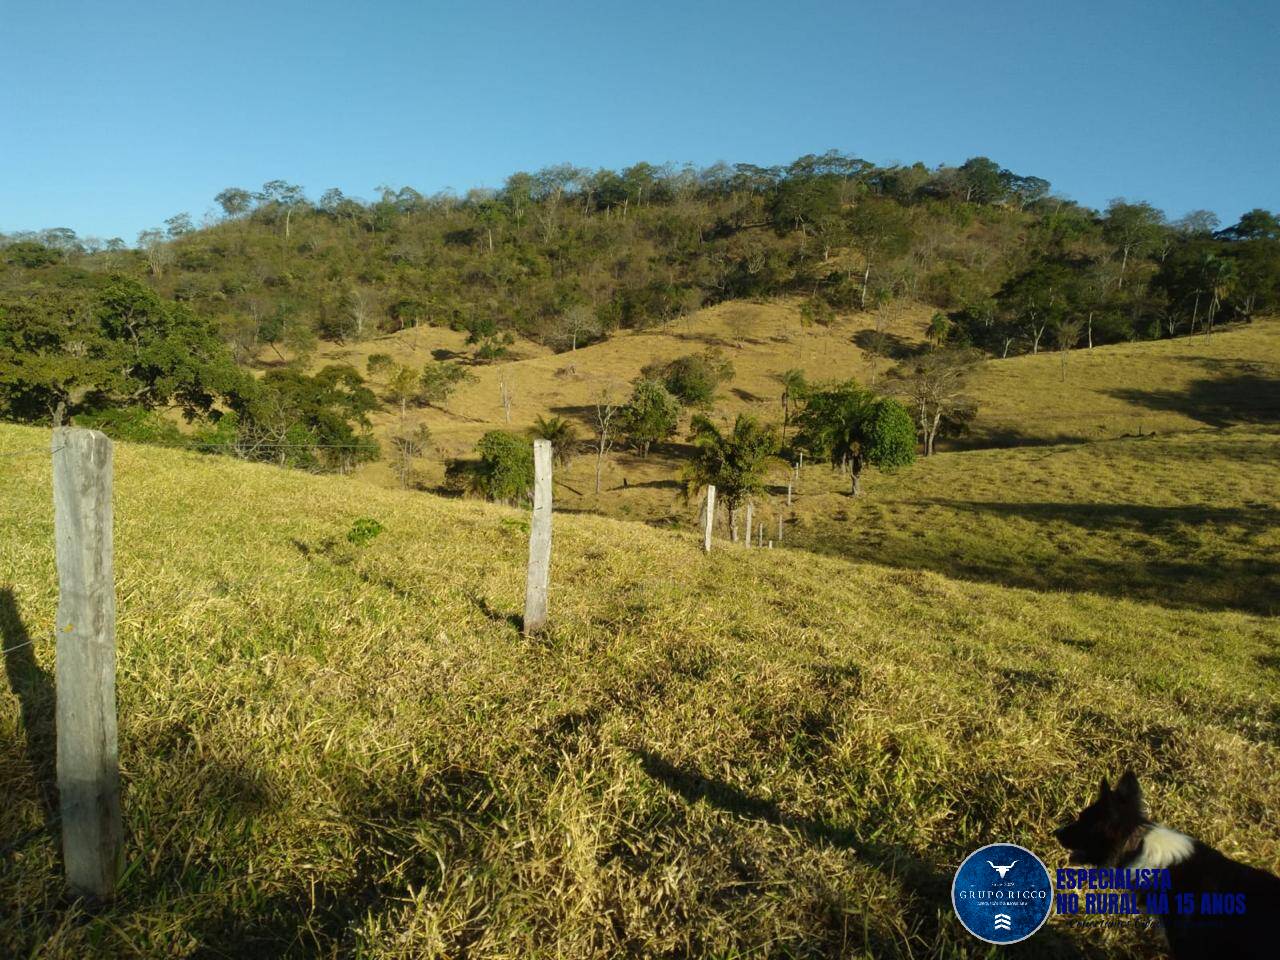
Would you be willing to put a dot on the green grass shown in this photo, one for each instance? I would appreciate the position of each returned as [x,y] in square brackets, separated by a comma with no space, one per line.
[1128,389]
[1180,520]
[340,750]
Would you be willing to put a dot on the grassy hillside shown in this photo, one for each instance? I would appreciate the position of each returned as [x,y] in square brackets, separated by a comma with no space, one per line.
[1110,392]
[760,339]
[1181,520]
[1230,377]
[330,749]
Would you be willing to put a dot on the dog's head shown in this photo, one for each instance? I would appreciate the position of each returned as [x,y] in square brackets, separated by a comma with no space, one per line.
[1103,828]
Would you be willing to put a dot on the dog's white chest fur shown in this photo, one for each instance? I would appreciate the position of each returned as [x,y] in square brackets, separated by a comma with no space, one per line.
[1162,848]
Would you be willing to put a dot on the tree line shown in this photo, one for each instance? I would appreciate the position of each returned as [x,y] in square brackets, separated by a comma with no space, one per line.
[567,256]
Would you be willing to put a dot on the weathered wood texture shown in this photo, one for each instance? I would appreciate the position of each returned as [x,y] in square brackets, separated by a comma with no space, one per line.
[88,759]
[708,517]
[538,578]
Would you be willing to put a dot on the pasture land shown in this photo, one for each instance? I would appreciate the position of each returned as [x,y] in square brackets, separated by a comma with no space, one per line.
[340,749]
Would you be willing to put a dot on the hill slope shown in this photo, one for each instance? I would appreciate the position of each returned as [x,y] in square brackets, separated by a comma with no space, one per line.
[1150,386]
[1187,519]
[1110,392]
[338,749]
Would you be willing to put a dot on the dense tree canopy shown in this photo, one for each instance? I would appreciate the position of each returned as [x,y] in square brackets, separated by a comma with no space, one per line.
[567,255]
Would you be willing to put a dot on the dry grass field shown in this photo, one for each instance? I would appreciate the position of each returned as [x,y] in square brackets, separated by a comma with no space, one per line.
[339,750]
[760,339]
[1110,393]
[1163,386]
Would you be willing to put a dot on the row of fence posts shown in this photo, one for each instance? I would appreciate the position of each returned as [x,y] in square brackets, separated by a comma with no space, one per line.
[88,769]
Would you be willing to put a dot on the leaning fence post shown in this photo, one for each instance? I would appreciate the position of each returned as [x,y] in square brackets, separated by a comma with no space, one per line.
[539,575]
[709,518]
[749,528]
[88,758]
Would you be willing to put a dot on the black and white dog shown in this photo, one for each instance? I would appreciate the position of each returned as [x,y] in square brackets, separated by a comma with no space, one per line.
[1116,831]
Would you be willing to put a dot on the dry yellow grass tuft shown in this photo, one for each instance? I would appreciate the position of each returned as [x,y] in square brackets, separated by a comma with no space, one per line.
[331,749]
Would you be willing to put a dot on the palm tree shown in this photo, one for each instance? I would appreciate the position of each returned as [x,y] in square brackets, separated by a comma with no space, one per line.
[794,388]
[734,462]
[562,435]
[938,330]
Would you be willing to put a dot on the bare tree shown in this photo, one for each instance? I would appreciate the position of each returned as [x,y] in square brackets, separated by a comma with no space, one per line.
[508,395]
[1067,332]
[579,322]
[159,253]
[877,348]
[934,385]
[407,445]
[605,424]
[362,304]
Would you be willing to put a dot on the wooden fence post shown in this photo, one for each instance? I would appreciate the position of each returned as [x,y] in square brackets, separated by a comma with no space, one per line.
[749,528]
[709,517]
[539,575]
[88,754]
[788,492]
[779,528]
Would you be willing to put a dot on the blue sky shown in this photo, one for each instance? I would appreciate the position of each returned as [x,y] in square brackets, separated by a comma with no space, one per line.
[117,115]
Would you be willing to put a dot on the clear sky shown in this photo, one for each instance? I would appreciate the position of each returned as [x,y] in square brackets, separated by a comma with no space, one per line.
[115,115]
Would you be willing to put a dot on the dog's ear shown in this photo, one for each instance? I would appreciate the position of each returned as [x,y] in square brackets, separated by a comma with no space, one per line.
[1129,792]
[1104,789]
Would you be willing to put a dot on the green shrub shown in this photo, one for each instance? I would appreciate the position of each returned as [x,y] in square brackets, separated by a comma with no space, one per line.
[693,379]
[134,425]
[651,415]
[505,471]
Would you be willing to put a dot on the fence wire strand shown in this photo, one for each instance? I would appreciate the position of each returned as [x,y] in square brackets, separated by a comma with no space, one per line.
[17,646]
[31,451]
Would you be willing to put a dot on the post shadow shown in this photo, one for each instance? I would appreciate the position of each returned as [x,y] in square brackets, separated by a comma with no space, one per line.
[34,689]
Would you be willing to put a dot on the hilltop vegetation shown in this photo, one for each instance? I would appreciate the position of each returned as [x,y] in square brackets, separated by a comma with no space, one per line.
[566,257]
[341,748]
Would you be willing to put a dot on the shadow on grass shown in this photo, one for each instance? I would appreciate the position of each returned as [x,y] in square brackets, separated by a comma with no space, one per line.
[321,919]
[584,413]
[985,437]
[890,345]
[1249,584]
[1137,517]
[924,882]
[35,692]
[1242,393]
[652,485]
